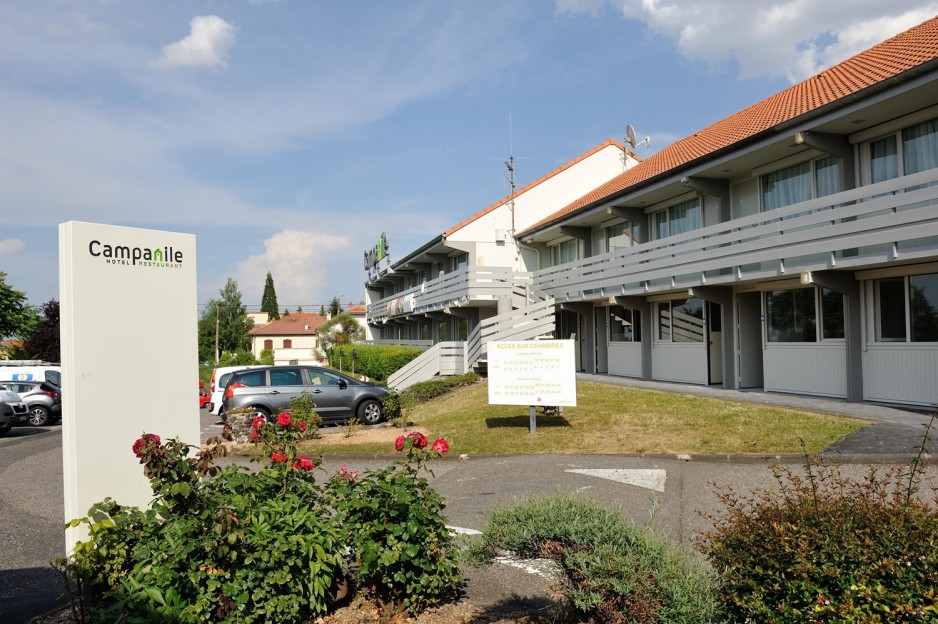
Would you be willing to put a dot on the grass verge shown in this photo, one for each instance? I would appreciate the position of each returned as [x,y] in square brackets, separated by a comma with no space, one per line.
[608,419]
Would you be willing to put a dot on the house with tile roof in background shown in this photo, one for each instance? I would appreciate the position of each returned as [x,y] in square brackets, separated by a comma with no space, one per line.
[293,339]
[792,246]
[478,271]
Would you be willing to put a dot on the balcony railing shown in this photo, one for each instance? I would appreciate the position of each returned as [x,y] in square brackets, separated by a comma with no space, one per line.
[470,284]
[876,223]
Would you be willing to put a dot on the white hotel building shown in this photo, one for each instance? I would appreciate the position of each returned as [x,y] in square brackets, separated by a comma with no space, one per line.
[792,246]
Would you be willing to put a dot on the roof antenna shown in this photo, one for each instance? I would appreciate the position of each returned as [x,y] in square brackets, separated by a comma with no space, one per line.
[510,174]
[632,139]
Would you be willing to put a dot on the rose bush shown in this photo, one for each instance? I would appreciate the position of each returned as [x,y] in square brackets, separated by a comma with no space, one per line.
[233,545]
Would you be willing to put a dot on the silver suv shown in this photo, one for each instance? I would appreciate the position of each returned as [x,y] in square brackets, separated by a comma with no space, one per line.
[13,410]
[338,397]
[42,398]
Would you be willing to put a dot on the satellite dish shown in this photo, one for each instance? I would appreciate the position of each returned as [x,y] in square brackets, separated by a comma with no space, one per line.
[632,140]
[630,137]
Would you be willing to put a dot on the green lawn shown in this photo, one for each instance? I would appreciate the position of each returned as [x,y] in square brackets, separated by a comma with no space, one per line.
[607,419]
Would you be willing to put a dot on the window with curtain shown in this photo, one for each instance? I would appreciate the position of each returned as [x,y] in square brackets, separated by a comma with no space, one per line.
[791,315]
[884,159]
[624,324]
[563,253]
[677,219]
[788,186]
[460,262]
[684,217]
[907,308]
[827,176]
[920,147]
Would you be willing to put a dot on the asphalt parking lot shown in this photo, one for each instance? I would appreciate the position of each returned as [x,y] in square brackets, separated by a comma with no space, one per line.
[671,492]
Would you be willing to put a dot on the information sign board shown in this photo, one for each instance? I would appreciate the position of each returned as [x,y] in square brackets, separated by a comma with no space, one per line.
[532,372]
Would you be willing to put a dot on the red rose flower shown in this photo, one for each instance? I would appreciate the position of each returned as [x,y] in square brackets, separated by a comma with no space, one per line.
[306,463]
[440,446]
[399,443]
[258,422]
[302,426]
[277,456]
[143,441]
[284,419]
[420,440]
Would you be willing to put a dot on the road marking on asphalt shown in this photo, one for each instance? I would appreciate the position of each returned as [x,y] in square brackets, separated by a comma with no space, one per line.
[544,568]
[648,478]
[462,531]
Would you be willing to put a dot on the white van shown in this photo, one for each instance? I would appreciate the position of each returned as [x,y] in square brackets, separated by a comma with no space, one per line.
[219,381]
[30,370]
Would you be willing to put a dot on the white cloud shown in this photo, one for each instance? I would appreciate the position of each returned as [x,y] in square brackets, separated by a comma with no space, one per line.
[791,38]
[297,261]
[11,246]
[207,45]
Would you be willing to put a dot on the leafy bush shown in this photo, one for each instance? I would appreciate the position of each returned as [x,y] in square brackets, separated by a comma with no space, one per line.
[375,361]
[397,404]
[614,571]
[828,548]
[304,409]
[232,545]
[402,551]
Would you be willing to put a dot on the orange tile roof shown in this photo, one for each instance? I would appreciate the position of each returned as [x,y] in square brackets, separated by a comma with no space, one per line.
[541,180]
[356,309]
[291,325]
[888,59]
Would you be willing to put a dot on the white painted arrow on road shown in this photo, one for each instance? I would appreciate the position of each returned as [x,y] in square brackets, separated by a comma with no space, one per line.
[648,478]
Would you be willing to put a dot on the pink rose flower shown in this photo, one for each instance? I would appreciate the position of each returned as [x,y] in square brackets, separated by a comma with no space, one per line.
[284,419]
[420,440]
[305,463]
[440,446]
[143,441]
[399,443]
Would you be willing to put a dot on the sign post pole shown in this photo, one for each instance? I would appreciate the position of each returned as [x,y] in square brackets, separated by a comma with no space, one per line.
[533,426]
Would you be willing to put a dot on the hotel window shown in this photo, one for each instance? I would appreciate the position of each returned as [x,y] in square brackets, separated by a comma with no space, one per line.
[800,183]
[563,253]
[678,219]
[792,315]
[625,324]
[622,235]
[681,321]
[907,308]
[909,151]
[460,262]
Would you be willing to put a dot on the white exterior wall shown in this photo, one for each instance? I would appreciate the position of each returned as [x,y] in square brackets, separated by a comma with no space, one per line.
[479,236]
[298,355]
[900,373]
[679,361]
[306,343]
[816,369]
[625,359]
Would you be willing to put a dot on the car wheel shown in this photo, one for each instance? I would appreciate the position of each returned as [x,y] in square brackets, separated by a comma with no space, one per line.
[38,415]
[261,412]
[369,412]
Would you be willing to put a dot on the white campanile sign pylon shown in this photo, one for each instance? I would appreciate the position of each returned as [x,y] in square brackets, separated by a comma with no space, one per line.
[129,356]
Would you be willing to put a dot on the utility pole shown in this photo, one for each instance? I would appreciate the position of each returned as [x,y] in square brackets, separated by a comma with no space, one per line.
[217,355]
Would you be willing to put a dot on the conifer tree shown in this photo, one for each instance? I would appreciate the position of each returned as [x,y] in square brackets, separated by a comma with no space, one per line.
[269,299]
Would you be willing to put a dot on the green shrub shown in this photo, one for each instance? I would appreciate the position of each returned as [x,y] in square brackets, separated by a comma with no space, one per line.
[614,571]
[402,551]
[304,408]
[377,362]
[827,548]
[233,545]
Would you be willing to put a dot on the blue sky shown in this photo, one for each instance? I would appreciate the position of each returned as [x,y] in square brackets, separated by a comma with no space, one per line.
[288,134]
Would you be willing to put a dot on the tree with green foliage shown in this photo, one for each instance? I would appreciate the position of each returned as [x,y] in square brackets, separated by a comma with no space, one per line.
[335,307]
[17,317]
[341,329]
[269,299]
[43,342]
[322,310]
[226,321]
